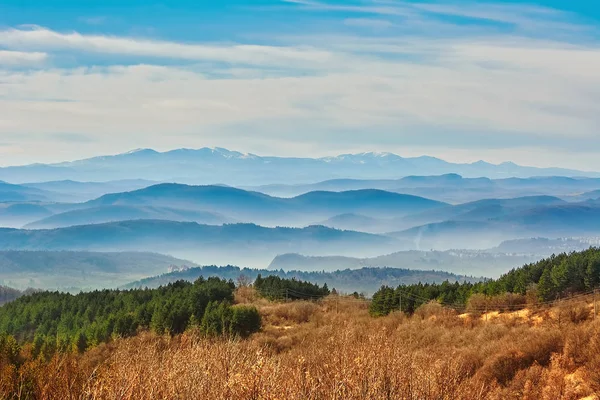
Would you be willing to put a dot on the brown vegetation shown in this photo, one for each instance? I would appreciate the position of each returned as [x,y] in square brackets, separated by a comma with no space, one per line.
[335,350]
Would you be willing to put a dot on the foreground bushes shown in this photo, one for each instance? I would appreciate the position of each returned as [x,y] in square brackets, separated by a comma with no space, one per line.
[338,353]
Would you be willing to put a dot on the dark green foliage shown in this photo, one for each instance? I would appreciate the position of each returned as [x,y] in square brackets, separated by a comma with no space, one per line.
[559,275]
[244,321]
[276,288]
[60,321]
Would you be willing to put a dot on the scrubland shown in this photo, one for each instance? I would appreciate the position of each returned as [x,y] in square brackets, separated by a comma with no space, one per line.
[333,349]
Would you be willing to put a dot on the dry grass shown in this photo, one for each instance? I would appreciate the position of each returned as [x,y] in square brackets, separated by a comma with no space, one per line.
[335,350]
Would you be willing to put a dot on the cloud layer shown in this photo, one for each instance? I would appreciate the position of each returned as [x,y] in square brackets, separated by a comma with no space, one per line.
[407,77]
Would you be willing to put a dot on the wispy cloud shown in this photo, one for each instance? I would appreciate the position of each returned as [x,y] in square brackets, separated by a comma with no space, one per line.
[41,38]
[21,58]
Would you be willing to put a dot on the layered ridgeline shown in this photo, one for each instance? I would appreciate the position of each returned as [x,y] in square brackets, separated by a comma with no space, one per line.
[221,204]
[557,277]
[362,280]
[453,188]
[245,244]
[234,168]
[413,222]
[54,321]
[80,270]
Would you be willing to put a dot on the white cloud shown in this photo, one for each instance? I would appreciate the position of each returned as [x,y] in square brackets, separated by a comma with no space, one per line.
[20,58]
[41,38]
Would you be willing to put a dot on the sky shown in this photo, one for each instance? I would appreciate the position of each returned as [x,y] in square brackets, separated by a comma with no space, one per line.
[460,80]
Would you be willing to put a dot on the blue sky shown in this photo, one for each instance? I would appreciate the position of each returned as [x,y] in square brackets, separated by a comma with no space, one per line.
[461,80]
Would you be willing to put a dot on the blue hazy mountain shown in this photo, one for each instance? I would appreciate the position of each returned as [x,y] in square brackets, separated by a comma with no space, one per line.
[19,214]
[114,213]
[209,166]
[19,193]
[205,244]
[481,210]
[357,222]
[73,191]
[452,188]
[197,203]
[550,221]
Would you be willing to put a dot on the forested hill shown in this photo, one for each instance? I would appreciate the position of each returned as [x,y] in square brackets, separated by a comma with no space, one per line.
[366,280]
[559,276]
[54,321]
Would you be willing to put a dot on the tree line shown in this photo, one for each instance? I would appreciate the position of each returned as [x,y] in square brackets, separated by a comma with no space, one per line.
[54,321]
[276,288]
[561,275]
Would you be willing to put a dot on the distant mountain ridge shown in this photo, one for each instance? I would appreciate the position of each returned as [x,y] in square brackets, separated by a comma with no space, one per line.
[366,280]
[209,166]
[464,262]
[252,244]
[453,188]
[216,205]
[77,270]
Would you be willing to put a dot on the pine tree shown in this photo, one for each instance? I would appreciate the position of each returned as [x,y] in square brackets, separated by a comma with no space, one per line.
[546,287]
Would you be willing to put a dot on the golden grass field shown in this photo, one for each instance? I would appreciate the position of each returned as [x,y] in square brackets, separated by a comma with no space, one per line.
[335,350]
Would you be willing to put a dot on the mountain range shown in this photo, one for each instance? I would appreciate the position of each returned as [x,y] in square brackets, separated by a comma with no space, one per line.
[453,188]
[217,165]
[362,280]
[216,205]
[205,244]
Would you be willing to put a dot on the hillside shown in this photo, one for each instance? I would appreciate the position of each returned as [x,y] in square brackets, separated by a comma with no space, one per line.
[366,280]
[544,282]
[71,270]
[238,243]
